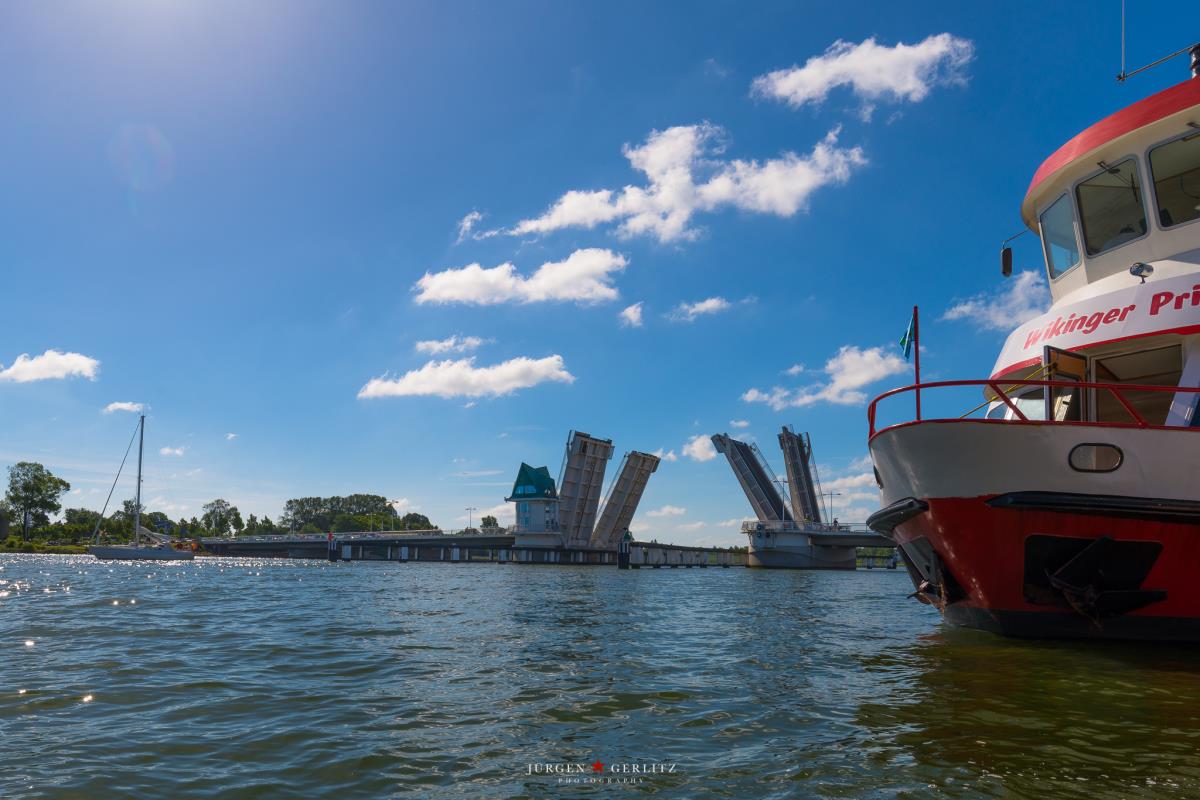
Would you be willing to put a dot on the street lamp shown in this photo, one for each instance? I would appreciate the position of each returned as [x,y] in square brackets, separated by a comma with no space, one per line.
[831,495]
[470,510]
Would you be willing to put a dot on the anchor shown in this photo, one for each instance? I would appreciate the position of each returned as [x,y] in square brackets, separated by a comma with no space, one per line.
[1097,582]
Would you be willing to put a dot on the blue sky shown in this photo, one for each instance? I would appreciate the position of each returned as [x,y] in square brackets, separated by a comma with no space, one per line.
[247,216]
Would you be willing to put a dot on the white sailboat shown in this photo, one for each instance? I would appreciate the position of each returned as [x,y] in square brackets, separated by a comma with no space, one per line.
[155,547]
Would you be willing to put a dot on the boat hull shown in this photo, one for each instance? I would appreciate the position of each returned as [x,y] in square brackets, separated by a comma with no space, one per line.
[1048,551]
[130,553]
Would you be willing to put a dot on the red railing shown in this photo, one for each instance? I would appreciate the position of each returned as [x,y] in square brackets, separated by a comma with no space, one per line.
[1002,389]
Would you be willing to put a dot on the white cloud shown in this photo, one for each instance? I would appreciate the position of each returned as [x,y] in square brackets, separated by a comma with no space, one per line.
[665,455]
[852,481]
[691,526]
[585,276]
[466,224]
[667,511]
[454,344]
[402,505]
[1022,298]
[735,522]
[714,67]
[164,505]
[685,176]
[462,378]
[687,312]
[50,365]
[631,317]
[478,473]
[504,513]
[849,371]
[794,369]
[739,423]
[699,448]
[171,451]
[124,406]
[874,72]
[229,437]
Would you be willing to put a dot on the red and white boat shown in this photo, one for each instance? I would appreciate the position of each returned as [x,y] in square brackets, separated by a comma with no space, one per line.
[1068,505]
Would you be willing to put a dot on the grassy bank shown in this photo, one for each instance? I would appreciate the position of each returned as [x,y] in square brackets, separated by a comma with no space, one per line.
[14,545]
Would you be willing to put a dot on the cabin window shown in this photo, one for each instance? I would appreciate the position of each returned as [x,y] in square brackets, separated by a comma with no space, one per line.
[1031,402]
[1176,170]
[1110,207]
[1058,237]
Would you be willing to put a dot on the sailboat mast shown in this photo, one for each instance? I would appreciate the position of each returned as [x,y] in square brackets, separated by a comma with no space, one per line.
[137,501]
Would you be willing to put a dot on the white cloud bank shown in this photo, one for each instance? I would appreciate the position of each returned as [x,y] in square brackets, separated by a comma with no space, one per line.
[461,378]
[699,448]
[849,371]
[687,312]
[1025,296]
[631,316]
[124,406]
[874,72]
[665,455]
[454,344]
[667,511]
[229,437]
[171,451]
[585,276]
[685,176]
[50,365]
[739,423]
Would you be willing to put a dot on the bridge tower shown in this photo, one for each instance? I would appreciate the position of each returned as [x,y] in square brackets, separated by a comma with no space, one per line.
[803,484]
[756,478]
[580,484]
[621,501]
[537,507]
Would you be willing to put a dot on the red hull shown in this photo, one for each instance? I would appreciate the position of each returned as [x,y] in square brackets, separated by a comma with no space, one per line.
[990,567]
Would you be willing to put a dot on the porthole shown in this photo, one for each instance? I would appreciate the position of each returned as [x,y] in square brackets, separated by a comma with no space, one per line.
[1095,457]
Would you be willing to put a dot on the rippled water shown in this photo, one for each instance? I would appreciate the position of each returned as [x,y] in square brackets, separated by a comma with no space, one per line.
[248,678]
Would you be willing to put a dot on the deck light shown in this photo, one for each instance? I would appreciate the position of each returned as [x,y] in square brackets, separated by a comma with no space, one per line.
[1141,270]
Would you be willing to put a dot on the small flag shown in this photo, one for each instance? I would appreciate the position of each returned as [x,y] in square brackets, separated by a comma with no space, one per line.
[906,341]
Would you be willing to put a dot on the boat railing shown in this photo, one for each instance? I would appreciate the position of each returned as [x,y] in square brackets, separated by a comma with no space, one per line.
[1003,390]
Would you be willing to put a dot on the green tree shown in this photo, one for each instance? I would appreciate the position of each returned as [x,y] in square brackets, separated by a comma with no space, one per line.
[416,522]
[219,516]
[235,520]
[489,522]
[345,523]
[34,490]
[266,526]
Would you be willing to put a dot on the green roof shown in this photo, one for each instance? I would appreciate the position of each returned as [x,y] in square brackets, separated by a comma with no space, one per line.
[533,482]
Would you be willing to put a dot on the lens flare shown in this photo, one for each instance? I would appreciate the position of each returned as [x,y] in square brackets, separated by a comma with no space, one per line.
[142,157]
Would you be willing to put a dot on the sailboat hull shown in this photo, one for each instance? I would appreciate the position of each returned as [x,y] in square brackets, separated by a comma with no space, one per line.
[132,553]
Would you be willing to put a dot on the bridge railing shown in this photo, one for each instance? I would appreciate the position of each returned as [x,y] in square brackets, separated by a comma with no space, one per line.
[756,526]
[359,535]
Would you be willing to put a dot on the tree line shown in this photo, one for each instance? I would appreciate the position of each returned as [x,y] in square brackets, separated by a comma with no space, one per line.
[35,495]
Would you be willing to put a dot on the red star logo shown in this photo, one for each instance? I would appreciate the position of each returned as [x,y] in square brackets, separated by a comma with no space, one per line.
[598,766]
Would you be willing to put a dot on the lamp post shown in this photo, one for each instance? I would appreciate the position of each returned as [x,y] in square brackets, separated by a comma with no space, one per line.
[470,510]
[831,495]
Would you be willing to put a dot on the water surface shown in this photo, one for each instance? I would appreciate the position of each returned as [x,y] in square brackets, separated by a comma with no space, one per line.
[262,678]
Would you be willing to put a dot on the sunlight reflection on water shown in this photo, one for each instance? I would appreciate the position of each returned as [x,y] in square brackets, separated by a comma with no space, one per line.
[253,678]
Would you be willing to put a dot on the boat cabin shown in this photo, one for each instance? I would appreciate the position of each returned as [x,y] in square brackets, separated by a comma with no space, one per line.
[1117,210]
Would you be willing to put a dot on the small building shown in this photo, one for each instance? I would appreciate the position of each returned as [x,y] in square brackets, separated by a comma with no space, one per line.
[537,508]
